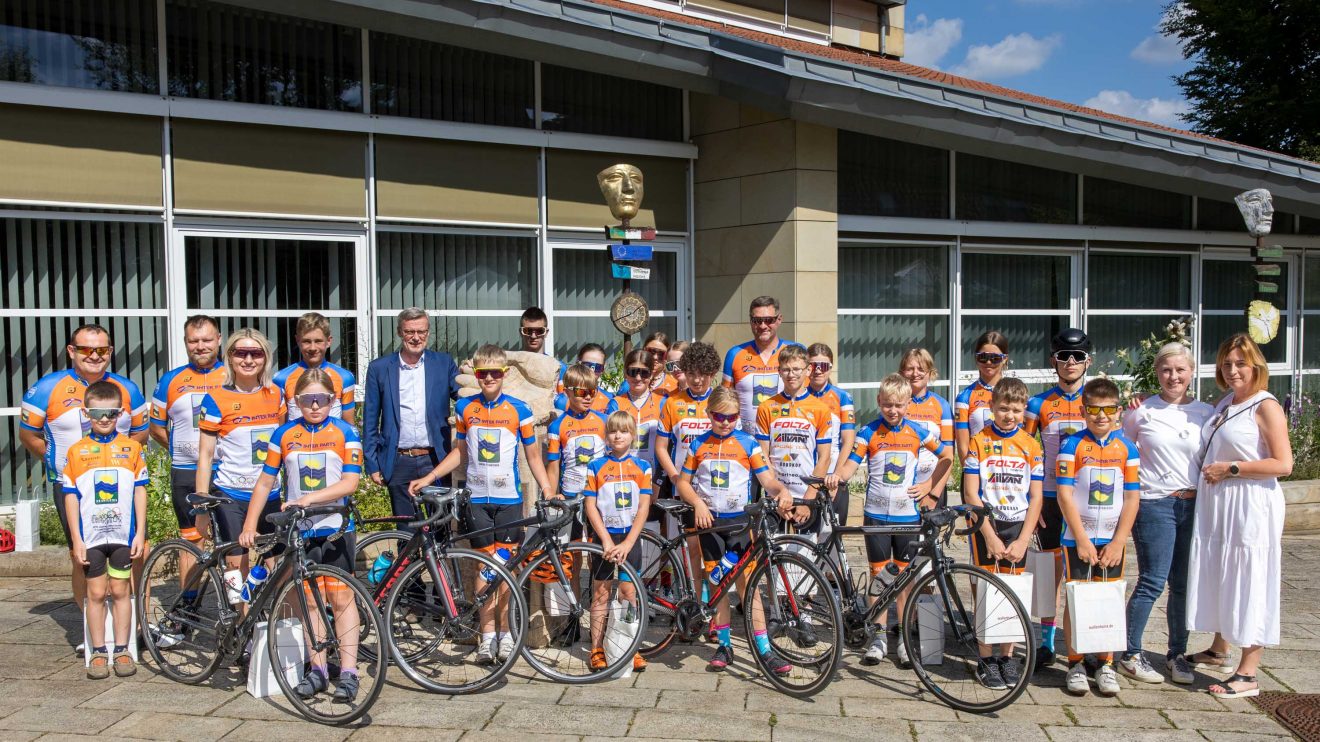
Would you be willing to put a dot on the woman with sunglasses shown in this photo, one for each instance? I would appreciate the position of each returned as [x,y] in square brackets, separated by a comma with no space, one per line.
[642,400]
[238,420]
[971,410]
[657,347]
[843,420]
[672,366]
[592,356]
[927,409]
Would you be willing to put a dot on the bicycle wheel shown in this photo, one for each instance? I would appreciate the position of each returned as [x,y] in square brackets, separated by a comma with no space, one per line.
[667,585]
[789,598]
[371,546]
[182,625]
[943,630]
[435,629]
[569,622]
[326,620]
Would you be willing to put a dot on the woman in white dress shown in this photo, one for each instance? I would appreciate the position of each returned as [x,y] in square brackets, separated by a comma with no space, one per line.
[1234,566]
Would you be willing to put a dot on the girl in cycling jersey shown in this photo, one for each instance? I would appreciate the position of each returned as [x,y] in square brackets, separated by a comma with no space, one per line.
[657,346]
[971,410]
[927,409]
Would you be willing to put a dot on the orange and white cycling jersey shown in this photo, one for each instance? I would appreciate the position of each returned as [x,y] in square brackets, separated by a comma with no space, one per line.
[789,431]
[314,457]
[1054,415]
[492,433]
[342,378]
[890,455]
[843,416]
[575,441]
[1005,465]
[666,384]
[722,470]
[104,472]
[1101,473]
[618,485]
[971,410]
[682,421]
[753,377]
[243,423]
[54,408]
[933,412]
[176,405]
[646,411]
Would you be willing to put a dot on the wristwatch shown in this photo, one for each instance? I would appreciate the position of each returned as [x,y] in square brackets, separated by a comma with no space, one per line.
[1234,470]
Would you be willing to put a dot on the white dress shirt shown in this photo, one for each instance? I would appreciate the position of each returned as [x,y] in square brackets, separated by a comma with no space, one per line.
[412,405]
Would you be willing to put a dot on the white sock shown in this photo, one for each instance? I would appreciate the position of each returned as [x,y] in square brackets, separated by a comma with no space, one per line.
[488,636]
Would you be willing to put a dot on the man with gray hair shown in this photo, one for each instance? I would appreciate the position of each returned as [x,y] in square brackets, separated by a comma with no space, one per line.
[405,418]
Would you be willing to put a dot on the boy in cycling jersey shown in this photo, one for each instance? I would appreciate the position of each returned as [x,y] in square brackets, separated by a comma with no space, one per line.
[575,439]
[616,501]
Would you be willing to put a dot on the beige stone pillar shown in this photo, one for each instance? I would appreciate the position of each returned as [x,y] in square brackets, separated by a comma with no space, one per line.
[766,222]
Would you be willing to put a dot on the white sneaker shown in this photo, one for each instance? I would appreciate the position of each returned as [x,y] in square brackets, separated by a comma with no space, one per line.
[1077,683]
[486,651]
[1106,681]
[80,650]
[877,651]
[1138,668]
[1180,670]
[900,653]
[506,646]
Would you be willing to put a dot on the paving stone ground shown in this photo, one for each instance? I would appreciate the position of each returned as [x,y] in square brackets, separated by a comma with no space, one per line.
[44,696]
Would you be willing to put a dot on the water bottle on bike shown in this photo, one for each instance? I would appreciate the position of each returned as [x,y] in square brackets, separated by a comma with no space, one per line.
[883,579]
[255,579]
[724,567]
[380,567]
[502,556]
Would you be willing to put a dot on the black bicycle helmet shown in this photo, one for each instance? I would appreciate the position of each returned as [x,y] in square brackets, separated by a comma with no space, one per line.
[1070,338]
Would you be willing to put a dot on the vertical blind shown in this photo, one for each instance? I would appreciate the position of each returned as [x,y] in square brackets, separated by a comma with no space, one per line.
[423,79]
[592,103]
[455,271]
[80,43]
[261,274]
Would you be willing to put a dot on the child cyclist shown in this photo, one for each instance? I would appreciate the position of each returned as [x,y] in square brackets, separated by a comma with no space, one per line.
[971,408]
[717,482]
[683,419]
[575,438]
[616,500]
[890,446]
[592,357]
[1094,467]
[1003,470]
[105,502]
[793,427]
[321,456]
[843,418]
[493,430]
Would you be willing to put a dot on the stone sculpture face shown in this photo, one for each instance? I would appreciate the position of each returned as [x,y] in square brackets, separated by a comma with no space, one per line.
[622,187]
[1257,209]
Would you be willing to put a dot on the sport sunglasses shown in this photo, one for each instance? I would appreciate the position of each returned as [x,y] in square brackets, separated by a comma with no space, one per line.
[1108,409]
[103,413]
[92,350]
[532,332]
[496,372]
[315,399]
[595,367]
[993,359]
[639,372]
[581,392]
[720,417]
[1072,356]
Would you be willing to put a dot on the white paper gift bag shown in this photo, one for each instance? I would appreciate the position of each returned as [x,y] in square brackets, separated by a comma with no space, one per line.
[1097,616]
[997,620]
[625,622]
[1044,595]
[290,657]
[930,624]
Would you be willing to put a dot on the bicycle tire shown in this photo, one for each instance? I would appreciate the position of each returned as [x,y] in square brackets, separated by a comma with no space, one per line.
[201,618]
[466,626]
[789,596]
[958,662]
[662,595]
[547,663]
[368,548]
[374,669]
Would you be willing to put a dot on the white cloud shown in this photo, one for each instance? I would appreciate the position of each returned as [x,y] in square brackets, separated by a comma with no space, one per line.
[1016,54]
[1158,49]
[1155,110]
[927,42]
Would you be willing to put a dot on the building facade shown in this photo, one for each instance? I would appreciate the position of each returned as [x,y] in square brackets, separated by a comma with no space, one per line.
[256,160]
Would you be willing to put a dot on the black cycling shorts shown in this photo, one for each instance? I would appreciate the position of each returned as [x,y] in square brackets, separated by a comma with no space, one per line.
[715,545]
[1076,569]
[889,547]
[339,553]
[183,482]
[604,570]
[227,520]
[1050,529]
[489,515]
[101,558]
[1008,532]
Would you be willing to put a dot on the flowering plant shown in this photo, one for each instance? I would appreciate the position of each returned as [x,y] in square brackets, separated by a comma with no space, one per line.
[1141,368]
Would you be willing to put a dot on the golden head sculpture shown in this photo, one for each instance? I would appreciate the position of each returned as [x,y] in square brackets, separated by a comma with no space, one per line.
[622,187]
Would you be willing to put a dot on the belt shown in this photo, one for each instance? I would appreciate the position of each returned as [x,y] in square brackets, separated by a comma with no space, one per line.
[1184,494]
[416,451]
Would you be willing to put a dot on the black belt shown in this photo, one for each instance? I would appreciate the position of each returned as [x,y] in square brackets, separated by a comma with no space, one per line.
[415,452]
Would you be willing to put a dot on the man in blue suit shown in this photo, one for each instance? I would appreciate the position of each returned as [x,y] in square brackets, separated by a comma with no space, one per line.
[405,421]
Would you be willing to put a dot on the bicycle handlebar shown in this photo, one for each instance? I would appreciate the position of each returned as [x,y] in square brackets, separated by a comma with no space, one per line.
[438,498]
[566,508]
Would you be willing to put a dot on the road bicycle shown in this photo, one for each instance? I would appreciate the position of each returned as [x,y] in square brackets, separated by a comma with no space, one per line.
[311,613]
[950,605]
[787,596]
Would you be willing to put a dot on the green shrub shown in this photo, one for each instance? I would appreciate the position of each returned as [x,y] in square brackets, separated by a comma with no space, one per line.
[373,501]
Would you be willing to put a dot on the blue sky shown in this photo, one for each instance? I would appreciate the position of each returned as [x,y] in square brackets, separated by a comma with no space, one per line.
[1107,54]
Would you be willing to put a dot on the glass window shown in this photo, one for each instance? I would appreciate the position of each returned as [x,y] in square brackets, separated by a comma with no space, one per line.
[1224,216]
[259,273]
[1309,225]
[455,271]
[80,44]
[572,332]
[1227,286]
[1110,203]
[1111,332]
[870,346]
[459,336]
[60,265]
[1015,281]
[224,52]
[885,177]
[423,79]
[1004,191]
[583,281]
[1028,338]
[897,277]
[592,103]
[1139,281]
[345,344]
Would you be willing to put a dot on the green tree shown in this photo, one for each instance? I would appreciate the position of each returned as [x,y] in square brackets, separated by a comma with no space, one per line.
[1256,73]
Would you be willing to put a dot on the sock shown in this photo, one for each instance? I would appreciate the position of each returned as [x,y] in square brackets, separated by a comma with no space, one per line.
[1106,657]
[723,632]
[762,642]
[488,636]
[100,649]
[348,671]
[121,647]
[325,671]
[1074,659]
[1047,629]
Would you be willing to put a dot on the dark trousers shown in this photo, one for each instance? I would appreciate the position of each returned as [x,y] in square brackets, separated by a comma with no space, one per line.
[406,469]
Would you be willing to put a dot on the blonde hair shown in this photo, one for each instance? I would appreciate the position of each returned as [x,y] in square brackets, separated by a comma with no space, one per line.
[312,321]
[793,353]
[1240,341]
[1010,390]
[895,386]
[580,376]
[489,355]
[924,357]
[723,398]
[314,376]
[1169,350]
[620,422]
[247,333]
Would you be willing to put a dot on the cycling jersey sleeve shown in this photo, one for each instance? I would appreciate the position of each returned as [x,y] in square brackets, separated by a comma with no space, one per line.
[727,376]
[946,421]
[275,451]
[210,422]
[36,402]
[1031,420]
[1131,468]
[862,444]
[962,409]
[847,411]
[348,396]
[553,444]
[1063,462]
[1037,458]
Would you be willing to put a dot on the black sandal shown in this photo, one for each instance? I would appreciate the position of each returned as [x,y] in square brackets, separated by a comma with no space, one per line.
[1208,659]
[1228,692]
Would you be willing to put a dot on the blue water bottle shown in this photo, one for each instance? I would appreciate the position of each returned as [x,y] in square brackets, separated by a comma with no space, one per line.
[380,567]
[257,576]
[502,556]
[726,565]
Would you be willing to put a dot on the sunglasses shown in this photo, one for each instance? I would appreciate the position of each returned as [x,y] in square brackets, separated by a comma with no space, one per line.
[92,350]
[595,367]
[765,320]
[315,399]
[821,367]
[639,372]
[993,359]
[671,366]
[1108,409]
[256,353]
[103,413]
[1072,356]
[720,417]
[532,332]
[581,392]
[656,352]
[496,373]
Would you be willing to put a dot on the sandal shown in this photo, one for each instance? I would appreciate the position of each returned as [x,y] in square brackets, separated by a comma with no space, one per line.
[123,664]
[1226,690]
[98,667]
[1208,659]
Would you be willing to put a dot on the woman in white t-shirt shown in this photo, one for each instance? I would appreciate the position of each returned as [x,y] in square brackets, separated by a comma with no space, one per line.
[1167,431]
